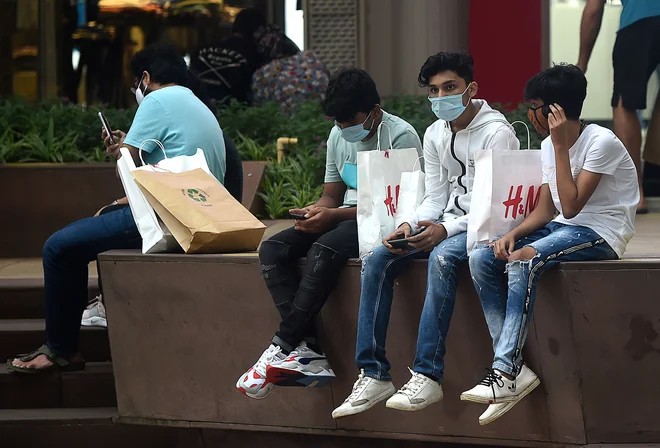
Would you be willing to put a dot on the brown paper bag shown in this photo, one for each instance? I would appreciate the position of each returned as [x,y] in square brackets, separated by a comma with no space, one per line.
[200,212]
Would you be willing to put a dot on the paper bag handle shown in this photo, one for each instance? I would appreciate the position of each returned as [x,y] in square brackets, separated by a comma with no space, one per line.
[416,162]
[389,133]
[526,127]
[162,148]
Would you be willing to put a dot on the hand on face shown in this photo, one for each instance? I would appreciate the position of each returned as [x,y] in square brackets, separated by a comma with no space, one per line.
[558,124]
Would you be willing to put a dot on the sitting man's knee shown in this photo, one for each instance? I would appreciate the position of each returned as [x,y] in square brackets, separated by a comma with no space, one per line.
[481,256]
[54,246]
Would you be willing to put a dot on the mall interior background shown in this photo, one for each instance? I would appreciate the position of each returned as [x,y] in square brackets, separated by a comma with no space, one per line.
[80,49]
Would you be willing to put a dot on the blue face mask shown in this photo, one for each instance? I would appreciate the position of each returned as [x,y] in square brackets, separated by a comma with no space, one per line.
[448,108]
[357,133]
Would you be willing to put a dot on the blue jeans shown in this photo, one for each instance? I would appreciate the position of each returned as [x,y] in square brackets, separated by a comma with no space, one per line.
[508,310]
[66,256]
[379,270]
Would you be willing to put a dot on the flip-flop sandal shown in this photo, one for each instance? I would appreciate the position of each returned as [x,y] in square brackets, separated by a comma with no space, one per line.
[59,363]
[642,211]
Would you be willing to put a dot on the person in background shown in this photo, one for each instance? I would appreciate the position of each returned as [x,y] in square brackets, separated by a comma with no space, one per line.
[226,68]
[464,127]
[636,55]
[289,76]
[326,233]
[590,179]
[167,112]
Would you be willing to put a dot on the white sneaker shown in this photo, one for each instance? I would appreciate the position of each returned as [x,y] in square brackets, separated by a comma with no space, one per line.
[254,383]
[495,388]
[302,368]
[94,315]
[495,411]
[366,393]
[417,394]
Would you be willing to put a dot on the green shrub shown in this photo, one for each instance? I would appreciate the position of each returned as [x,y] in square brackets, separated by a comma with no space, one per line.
[55,131]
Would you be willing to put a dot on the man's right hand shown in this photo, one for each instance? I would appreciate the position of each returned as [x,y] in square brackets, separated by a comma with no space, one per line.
[118,138]
[504,247]
[403,232]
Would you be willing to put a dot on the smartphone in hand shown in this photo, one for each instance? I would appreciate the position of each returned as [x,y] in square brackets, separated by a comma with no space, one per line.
[403,242]
[106,126]
[297,217]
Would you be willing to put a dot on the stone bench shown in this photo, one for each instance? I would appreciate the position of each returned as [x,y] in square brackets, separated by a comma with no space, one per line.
[183,328]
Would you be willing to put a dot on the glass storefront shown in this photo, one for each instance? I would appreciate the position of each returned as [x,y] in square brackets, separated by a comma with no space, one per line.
[80,50]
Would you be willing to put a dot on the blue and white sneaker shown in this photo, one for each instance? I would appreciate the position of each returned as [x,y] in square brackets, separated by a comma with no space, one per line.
[302,368]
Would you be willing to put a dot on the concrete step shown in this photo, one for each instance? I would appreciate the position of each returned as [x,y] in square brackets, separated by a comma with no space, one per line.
[78,428]
[92,387]
[25,335]
[23,298]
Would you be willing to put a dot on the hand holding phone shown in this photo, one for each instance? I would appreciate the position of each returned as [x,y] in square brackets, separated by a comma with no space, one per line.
[106,127]
[297,216]
[403,242]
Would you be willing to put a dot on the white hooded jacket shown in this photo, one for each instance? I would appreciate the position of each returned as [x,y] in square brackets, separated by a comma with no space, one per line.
[449,166]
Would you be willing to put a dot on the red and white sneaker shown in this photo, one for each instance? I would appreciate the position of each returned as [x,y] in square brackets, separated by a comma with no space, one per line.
[254,383]
[302,368]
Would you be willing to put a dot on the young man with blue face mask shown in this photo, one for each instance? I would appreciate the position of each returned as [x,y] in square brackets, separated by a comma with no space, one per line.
[326,234]
[464,127]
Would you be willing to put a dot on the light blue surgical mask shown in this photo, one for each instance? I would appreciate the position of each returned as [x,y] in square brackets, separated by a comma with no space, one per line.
[357,133]
[449,108]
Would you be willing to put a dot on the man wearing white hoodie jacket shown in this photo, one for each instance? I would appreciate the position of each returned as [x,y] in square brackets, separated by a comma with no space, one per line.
[465,126]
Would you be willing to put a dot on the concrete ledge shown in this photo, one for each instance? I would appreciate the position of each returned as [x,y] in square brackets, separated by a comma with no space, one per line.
[184,328]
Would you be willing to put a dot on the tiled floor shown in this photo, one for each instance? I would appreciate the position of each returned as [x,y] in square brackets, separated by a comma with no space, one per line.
[645,244]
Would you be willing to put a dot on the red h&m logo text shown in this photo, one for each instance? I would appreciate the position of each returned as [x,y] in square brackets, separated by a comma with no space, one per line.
[515,202]
[391,203]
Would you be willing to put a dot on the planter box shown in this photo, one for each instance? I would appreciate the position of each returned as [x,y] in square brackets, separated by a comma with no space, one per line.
[40,199]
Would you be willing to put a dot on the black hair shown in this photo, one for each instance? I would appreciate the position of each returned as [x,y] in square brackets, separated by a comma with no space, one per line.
[247,22]
[460,62]
[563,84]
[349,92]
[163,62]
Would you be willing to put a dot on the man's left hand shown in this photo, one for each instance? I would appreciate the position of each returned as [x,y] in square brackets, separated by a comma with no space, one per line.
[558,124]
[320,220]
[429,238]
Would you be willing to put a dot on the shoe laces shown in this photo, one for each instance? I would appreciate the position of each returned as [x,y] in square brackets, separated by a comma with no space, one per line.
[96,300]
[267,357]
[491,379]
[412,387]
[358,387]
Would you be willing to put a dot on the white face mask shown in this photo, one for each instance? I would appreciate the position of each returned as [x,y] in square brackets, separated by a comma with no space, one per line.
[139,95]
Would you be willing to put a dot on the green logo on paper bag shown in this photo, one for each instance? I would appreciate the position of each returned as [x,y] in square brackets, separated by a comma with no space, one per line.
[196,194]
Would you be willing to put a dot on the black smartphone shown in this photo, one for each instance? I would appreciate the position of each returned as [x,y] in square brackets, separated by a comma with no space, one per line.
[297,216]
[399,244]
[106,126]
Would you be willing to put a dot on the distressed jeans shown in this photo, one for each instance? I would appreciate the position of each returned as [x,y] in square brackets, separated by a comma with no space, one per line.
[508,308]
[379,271]
[300,298]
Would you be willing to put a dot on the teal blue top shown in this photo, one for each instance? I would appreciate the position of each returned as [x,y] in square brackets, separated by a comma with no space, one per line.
[636,10]
[182,123]
[341,158]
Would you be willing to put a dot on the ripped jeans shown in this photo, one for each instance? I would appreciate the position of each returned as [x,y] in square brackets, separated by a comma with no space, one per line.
[299,299]
[508,308]
[379,270]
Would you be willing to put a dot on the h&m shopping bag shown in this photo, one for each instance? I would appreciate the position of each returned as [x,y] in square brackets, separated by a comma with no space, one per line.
[155,235]
[379,188]
[411,193]
[506,189]
[200,212]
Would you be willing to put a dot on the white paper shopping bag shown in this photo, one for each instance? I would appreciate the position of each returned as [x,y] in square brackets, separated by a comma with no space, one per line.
[379,177]
[411,194]
[506,190]
[155,235]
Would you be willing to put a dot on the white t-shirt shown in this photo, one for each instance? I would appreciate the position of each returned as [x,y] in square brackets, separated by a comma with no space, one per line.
[610,211]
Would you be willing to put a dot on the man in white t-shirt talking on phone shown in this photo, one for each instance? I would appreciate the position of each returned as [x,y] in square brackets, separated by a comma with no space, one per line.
[589,178]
